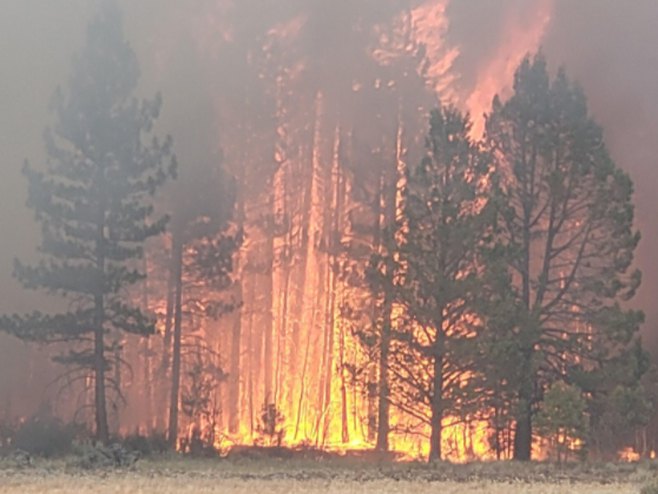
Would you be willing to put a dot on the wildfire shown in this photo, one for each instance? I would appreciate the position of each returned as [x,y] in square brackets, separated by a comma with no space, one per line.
[292,345]
[297,375]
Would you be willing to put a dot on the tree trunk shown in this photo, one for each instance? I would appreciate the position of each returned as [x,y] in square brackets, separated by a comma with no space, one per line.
[268,323]
[302,390]
[116,411]
[388,192]
[148,389]
[163,378]
[177,251]
[102,432]
[437,407]
[266,318]
[281,340]
[236,332]
[523,432]
[345,433]
[383,400]
[100,400]
[234,371]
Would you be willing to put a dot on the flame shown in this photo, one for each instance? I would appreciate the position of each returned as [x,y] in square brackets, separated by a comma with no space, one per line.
[495,77]
[629,455]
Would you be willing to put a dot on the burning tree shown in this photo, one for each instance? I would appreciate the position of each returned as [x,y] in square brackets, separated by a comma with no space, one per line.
[567,219]
[200,264]
[93,203]
[433,274]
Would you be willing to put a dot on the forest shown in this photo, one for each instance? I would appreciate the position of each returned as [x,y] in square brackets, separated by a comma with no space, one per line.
[360,263]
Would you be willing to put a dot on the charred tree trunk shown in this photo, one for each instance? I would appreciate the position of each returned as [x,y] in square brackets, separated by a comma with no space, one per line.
[234,371]
[165,363]
[253,357]
[177,252]
[383,404]
[267,322]
[345,432]
[283,322]
[388,191]
[302,389]
[236,332]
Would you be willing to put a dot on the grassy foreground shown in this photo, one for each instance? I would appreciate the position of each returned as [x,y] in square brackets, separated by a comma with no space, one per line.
[176,475]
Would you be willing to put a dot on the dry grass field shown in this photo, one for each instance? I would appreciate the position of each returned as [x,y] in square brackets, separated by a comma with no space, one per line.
[145,485]
[174,476]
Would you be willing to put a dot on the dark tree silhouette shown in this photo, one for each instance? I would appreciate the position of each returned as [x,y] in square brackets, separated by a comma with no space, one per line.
[567,219]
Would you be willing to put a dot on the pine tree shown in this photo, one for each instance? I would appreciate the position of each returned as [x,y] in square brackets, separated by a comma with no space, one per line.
[434,273]
[620,400]
[561,419]
[93,202]
[567,220]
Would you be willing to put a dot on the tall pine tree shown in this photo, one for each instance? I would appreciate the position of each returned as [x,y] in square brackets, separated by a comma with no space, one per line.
[567,220]
[434,274]
[93,202]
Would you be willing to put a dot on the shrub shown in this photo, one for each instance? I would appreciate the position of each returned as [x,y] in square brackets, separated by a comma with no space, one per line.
[44,435]
[270,426]
[562,419]
[98,456]
[146,445]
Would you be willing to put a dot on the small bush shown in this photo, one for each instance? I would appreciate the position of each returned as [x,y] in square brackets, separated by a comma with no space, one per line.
[200,445]
[270,426]
[98,456]
[146,445]
[44,435]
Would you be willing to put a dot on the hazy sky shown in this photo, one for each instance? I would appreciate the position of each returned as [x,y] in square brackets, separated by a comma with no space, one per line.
[610,46]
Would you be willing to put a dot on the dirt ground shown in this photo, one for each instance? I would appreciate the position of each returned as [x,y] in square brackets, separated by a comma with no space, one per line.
[173,476]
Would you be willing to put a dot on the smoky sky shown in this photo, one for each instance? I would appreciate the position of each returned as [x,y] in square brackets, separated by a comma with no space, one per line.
[609,46]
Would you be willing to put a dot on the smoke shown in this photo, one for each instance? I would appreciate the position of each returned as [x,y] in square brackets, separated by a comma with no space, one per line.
[607,45]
